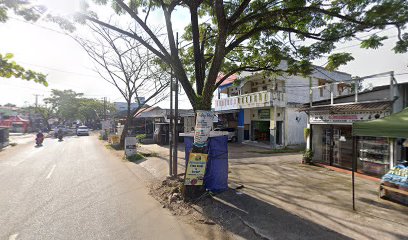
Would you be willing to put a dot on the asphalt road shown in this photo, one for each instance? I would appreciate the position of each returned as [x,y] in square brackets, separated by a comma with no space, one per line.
[76,189]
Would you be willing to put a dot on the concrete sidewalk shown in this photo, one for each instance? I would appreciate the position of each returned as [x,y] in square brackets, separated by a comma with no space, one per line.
[275,182]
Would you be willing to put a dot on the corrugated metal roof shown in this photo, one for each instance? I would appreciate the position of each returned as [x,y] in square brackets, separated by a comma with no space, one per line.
[361,106]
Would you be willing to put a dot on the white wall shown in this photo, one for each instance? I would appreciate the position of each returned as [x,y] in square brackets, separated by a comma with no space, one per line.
[294,128]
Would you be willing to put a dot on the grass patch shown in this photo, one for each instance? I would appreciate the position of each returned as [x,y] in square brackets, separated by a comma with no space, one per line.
[151,154]
[134,158]
[283,150]
[115,147]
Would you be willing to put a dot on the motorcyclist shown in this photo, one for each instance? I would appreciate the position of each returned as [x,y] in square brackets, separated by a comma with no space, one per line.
[39,137]
[60,134]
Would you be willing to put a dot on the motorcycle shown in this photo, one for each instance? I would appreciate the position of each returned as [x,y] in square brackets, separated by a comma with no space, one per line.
[39,141]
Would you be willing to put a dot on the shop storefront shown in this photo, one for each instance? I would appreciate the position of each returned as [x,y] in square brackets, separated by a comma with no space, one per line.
[332,139]
[332,144]
[381,143]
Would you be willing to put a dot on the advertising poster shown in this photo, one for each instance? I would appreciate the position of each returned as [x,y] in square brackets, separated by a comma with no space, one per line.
[203,126]
[196,169]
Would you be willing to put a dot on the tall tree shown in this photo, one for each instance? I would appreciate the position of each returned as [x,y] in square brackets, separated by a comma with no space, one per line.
[128,66]
[9,68]
[90,111]
[233,36]
[65,103]
[46,111]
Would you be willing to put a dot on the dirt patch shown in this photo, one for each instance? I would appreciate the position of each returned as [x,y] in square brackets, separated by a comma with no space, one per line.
[208,212]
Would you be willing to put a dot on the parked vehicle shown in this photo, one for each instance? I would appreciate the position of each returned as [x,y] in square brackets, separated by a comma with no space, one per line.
[82,131]
[232,133]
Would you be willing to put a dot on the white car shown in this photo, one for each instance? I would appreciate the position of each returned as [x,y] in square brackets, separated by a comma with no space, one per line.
[232,134]
[82,131]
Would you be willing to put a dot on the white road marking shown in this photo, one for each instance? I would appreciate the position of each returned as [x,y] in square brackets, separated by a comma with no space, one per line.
[52,170]
[13,237]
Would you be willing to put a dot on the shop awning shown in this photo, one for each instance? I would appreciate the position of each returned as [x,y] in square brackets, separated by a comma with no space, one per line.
[348,107]
[393,126]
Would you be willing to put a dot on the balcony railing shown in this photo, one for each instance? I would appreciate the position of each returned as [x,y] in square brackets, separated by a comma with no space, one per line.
[251,100]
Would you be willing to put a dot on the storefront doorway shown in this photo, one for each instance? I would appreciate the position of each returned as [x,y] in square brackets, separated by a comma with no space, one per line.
[333,145]
[279,132]
[260,131]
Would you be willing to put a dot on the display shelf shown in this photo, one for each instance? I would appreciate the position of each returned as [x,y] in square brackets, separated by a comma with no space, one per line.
[373,143]
[373,151]
[373,161]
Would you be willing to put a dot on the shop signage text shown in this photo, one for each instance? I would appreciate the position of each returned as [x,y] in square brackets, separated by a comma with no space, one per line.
[196,169]
[344,118]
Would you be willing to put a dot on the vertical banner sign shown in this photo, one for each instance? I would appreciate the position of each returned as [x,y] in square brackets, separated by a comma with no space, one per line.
[196,169]
[130,146]
[203,127]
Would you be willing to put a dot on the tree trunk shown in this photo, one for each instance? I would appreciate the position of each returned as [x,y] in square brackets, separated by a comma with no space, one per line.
[203,107]
[126,126]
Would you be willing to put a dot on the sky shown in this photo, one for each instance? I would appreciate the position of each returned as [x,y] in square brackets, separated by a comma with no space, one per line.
[42,47]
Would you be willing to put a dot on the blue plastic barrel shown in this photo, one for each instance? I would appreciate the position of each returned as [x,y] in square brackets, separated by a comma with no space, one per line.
[216,175]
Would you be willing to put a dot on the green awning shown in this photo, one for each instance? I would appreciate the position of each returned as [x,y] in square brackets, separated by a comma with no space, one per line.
[393,126]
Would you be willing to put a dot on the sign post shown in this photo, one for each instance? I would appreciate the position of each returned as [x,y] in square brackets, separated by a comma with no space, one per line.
[130,146]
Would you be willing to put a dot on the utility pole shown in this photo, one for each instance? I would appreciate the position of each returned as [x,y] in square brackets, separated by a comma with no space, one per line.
[171,126]
[104,108]
[35,122]
[176,117]
[36,100]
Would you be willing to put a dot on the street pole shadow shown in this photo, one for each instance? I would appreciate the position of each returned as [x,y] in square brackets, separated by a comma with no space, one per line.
[252,218]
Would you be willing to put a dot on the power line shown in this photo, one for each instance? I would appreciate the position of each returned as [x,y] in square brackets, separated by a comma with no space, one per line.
[59,70]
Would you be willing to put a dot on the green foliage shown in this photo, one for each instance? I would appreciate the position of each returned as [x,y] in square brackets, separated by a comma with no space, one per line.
[306,133]
[308,155]
[30,12]
[337,59]
[9,69]
[90,110]
[402,45]
[141,136]
[259,35]
[26,9]
[373,42]
[135,158]
[65,103]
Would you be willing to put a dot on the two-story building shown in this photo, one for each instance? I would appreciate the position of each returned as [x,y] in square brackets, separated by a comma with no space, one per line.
[331,129]
[264,109]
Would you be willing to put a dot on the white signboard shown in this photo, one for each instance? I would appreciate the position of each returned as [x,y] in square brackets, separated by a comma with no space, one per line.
[204,123]
[318,118]
[130,146]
